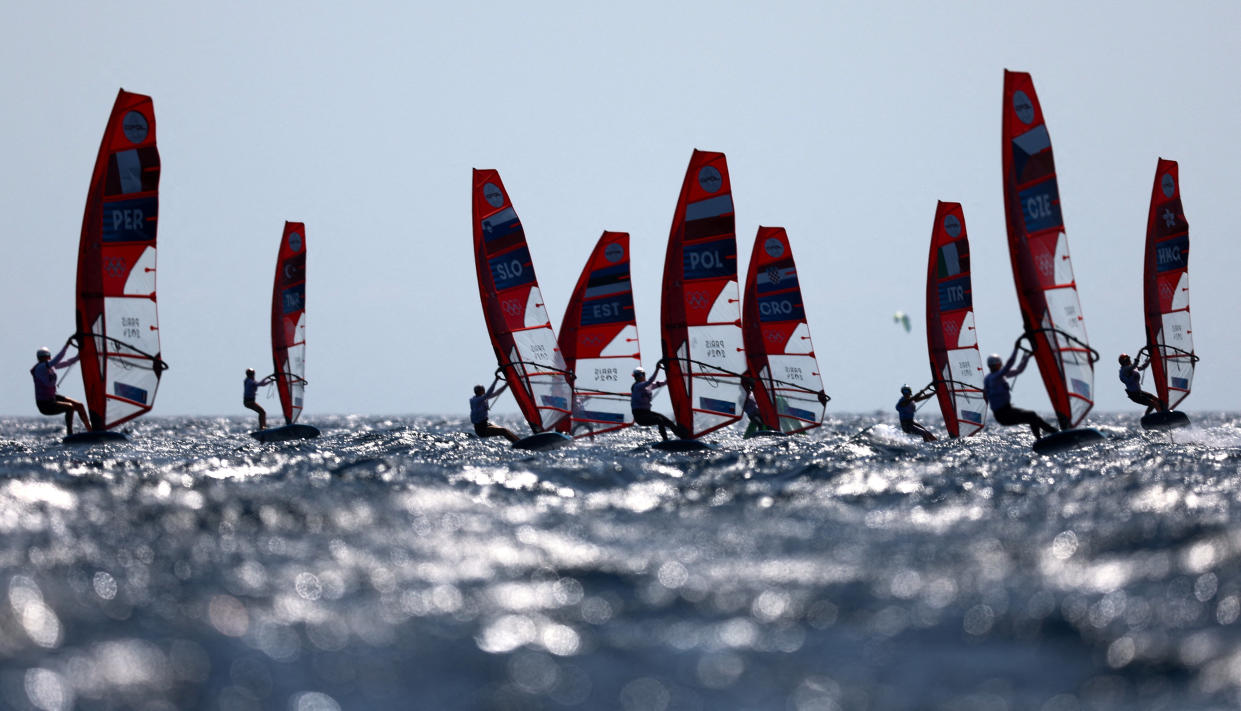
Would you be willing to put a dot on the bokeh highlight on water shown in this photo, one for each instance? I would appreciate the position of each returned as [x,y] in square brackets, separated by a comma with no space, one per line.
[402,563]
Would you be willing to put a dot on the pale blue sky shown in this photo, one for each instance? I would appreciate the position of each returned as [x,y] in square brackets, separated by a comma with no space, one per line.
[843,123]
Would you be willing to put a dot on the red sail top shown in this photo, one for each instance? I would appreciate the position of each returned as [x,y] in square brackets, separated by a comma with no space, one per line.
[599,339]
[1039,250]
[1169,337]
[116,317]
[952,343]
[701,315]
[288,320]
[780,355]
[517,321]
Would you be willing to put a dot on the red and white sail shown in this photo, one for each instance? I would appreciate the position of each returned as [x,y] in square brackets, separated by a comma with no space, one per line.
[599,339]
[1169,338]
[1039,250]
[701,314]
[116,317]
[956,364]
[787,385]
[521,332]
[288,320]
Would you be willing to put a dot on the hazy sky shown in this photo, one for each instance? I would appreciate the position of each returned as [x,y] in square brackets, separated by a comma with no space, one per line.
[843,122]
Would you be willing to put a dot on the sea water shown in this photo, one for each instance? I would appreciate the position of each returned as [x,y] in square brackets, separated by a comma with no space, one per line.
[402,563]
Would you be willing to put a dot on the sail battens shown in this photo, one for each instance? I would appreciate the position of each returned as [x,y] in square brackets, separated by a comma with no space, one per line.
[517,321]
[779,354]
[1038,250]
[1169,336]
[116,312]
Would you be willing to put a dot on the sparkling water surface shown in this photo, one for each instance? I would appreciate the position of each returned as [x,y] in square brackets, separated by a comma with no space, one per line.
[403,563]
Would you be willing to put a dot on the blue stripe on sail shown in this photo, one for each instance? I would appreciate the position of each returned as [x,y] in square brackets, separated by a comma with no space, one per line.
[781,307]
[955,294]
[501,224]
[1080,387]
[1040,207]
[293,299]
[706,260]
[727,407]
[129,392]
[1170,254]
[1180,383]
[595,292]
[600,416]
[1034,140]
[611,310]
[711,207]
[511,269]
[799,413]
[971,416]
[130,220]
[555,401]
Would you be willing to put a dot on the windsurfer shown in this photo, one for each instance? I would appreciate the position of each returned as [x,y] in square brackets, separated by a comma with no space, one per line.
[480,409]
[906,409]
[996,392]
[1133,385]
[640,395]
[755,416]
[250,388]
[45,396]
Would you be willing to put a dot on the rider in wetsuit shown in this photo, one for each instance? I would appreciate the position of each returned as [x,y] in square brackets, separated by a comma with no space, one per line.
[906,409]
[1133,385]
[996,392]
[45,396]
[480,409]
[249,389]
[751,410]
[640,395]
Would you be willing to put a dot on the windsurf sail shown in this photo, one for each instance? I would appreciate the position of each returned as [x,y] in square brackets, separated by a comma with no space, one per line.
[701,315]
[787,384]
[1169,338]
[1039,250]
[599,340]
[521,332]
[116,315]
[288,320]
[956,364]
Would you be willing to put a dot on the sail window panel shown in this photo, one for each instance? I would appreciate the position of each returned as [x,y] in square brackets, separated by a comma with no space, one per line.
[719,346]
[1176,332]
[538,349]
[132,322]
[116,410]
